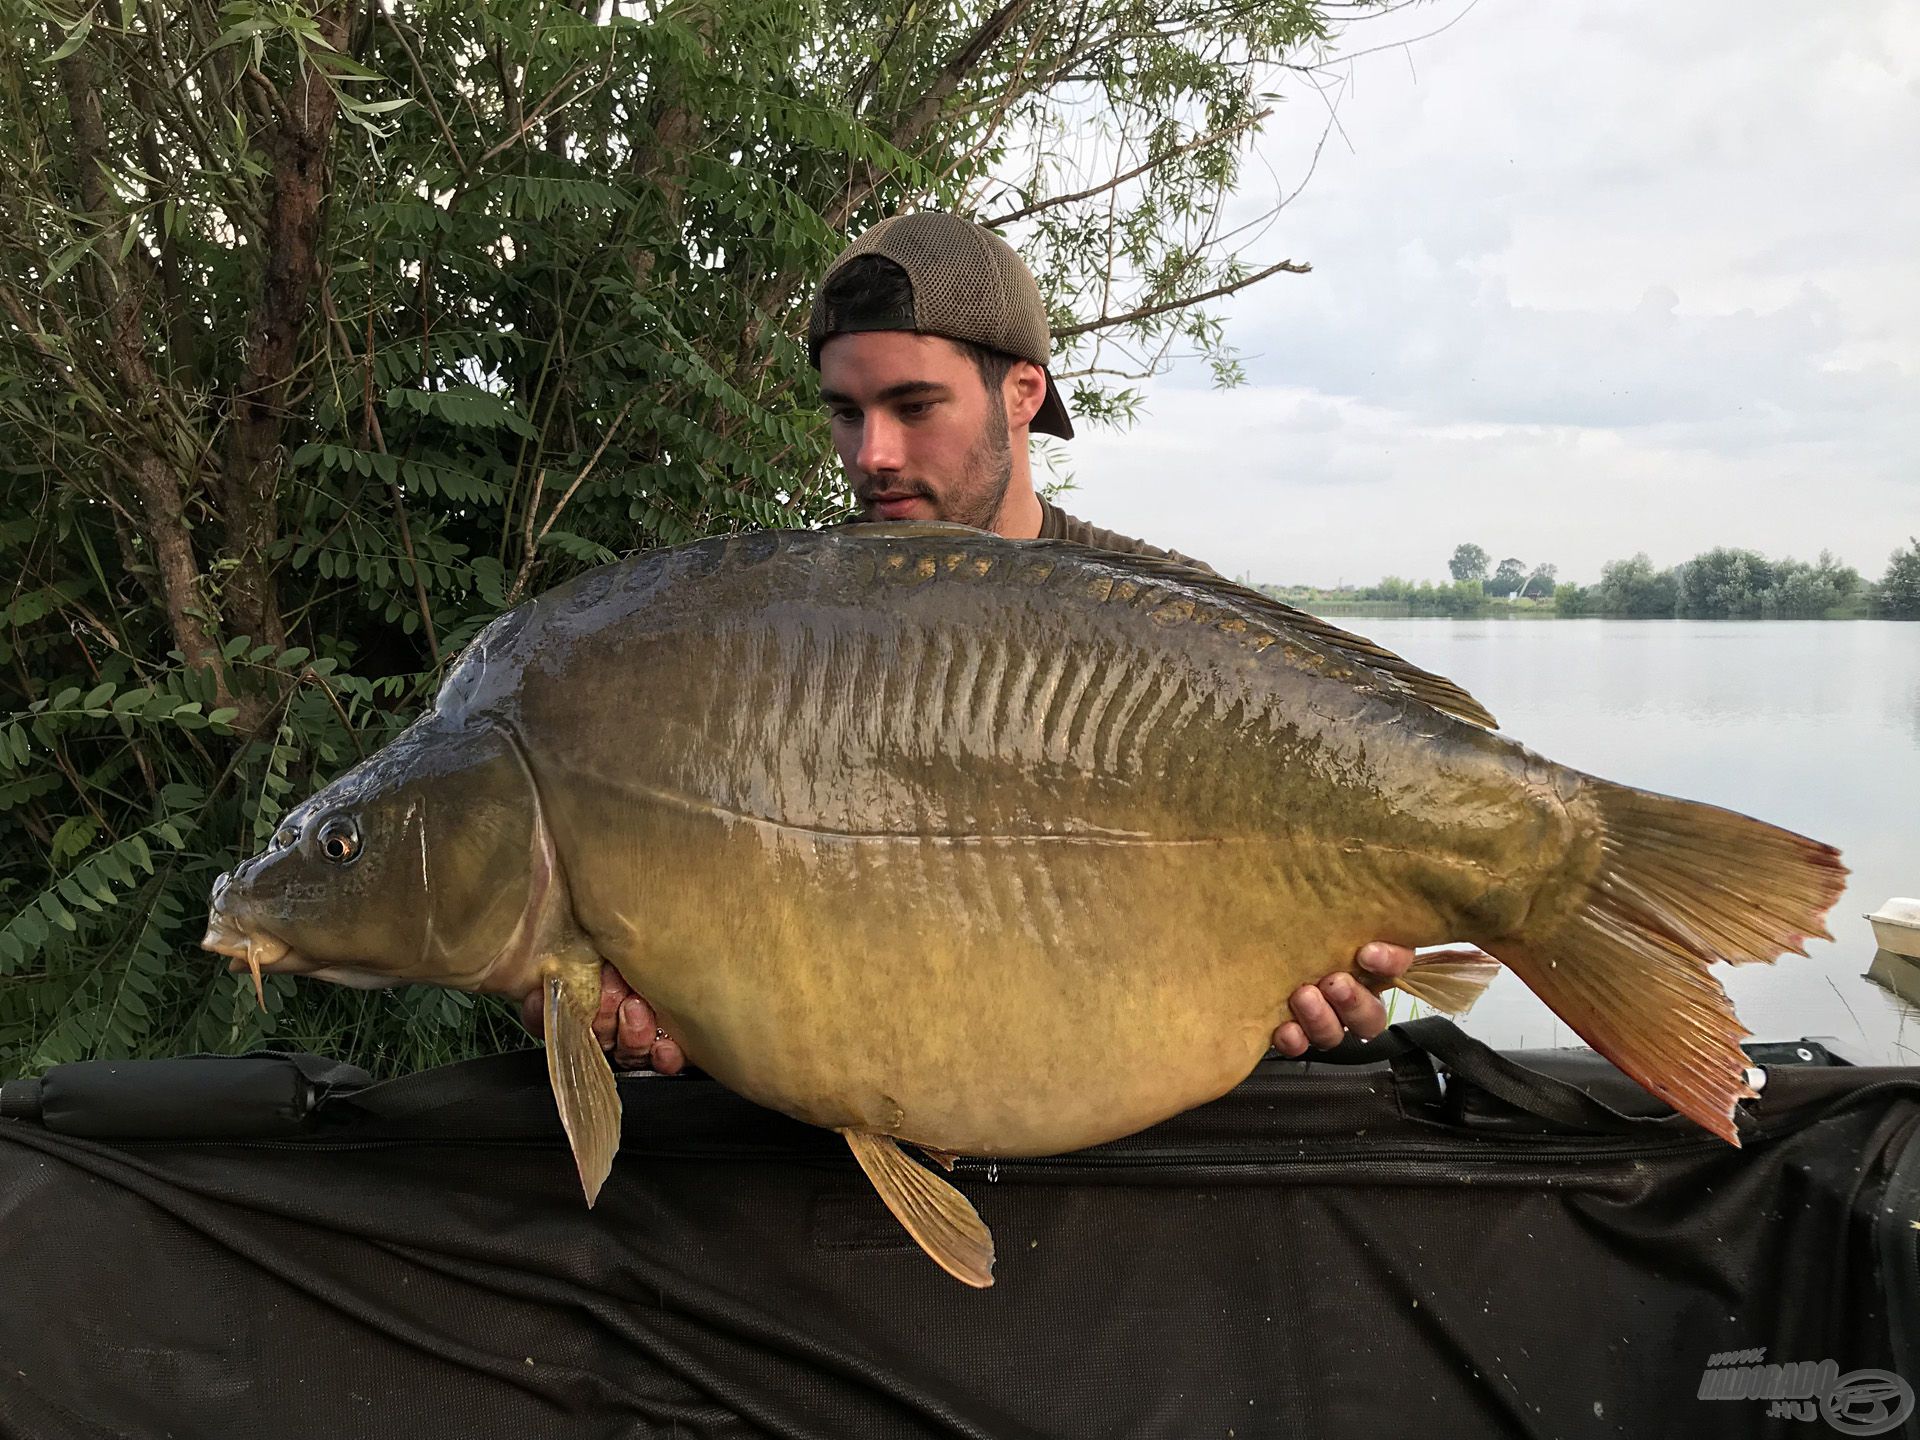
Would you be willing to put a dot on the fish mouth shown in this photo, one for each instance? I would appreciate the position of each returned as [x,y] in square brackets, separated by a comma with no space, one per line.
[250,950]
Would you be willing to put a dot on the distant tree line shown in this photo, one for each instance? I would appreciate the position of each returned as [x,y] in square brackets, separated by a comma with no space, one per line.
[1512,577]
[1476,580]
[1725,583]
[1718,584]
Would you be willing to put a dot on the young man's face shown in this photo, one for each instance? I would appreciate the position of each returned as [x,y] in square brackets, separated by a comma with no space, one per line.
[917,432]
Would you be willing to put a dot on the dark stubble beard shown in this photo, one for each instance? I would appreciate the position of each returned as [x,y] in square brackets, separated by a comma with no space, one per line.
[982,489]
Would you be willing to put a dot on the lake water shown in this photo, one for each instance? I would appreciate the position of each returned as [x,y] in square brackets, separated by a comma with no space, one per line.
[1810,725]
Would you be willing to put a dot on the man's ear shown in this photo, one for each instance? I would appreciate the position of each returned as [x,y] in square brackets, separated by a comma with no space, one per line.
[1024,390]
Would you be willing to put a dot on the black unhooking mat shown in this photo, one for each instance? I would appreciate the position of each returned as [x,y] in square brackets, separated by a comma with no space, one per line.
[1455,1243]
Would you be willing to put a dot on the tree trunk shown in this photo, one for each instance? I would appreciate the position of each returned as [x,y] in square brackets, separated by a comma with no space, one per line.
[298,144]
[161,497]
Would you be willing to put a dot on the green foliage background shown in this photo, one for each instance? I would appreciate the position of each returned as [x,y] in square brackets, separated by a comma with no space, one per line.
[329,331]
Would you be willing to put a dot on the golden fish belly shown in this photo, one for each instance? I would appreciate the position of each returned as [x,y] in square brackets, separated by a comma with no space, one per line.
[980,995]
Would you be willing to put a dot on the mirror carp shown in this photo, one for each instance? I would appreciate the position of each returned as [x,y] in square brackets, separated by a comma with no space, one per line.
[992,847]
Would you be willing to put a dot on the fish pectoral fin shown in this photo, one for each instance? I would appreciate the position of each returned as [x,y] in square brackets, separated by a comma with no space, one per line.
[1449,980]
[936,1215]
[583,1086]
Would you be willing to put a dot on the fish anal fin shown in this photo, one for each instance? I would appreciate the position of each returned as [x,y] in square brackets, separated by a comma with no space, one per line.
[583,1084]
[939,1218]
[1449,980]
[1673,1032]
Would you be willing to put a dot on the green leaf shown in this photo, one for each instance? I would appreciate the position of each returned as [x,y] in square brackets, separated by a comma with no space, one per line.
[98,696]
[76,37]
[245,30]
[373,107]
[73,837]
[71,892]
[30,928]
[51,907]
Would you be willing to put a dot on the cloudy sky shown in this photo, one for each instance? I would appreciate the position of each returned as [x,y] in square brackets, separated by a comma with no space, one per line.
[1588,279]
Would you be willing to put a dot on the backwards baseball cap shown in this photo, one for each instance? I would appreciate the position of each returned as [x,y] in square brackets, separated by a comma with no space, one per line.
[963,282]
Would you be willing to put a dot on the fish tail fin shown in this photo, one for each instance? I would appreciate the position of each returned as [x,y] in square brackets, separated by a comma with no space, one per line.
[1680,886]
[1449,980]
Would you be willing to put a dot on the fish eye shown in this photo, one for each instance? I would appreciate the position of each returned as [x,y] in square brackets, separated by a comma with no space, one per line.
[339,839]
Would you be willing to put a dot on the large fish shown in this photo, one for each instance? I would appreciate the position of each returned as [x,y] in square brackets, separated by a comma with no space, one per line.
[991,847]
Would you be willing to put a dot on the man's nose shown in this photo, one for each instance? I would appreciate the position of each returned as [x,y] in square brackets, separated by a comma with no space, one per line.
[882,445]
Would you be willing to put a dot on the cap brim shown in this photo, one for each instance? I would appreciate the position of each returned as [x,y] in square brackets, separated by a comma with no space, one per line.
[1052,417]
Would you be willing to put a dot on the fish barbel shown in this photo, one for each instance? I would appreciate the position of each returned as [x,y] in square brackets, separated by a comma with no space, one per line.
[992,847]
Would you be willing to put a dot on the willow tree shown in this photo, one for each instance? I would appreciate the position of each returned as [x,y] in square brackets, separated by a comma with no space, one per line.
[328,331]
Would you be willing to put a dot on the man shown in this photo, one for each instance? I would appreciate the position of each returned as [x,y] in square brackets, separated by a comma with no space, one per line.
[932,345]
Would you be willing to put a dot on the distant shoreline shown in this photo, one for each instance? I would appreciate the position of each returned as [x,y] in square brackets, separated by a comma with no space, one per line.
[1526,610]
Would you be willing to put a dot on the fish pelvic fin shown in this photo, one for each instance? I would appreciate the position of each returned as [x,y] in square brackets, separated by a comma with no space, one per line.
[583,1084]
[1449,980]
[1681,885]
[936,1215]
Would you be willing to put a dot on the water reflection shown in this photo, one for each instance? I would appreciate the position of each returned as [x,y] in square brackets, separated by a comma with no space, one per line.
[1815,726]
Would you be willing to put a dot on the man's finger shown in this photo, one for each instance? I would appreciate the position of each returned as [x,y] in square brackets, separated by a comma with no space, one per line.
[1315,1017]
[633,1042]
[1290,1040]
[533,1012]
[1389,962]
[668,1057]
[613,990]
[1358,1008]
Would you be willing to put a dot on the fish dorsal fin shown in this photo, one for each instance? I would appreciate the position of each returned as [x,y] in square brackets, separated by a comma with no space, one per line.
[936,1215]
[910,529]
[583,1085]
[1401,675]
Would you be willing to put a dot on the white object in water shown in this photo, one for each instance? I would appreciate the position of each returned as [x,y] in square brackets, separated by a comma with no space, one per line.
[1896,925]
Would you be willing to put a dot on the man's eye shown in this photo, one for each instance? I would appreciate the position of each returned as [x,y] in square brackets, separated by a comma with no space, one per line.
[845,417]
[913,409]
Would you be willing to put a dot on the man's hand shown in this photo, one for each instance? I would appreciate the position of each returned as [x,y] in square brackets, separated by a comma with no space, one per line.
[1323,1013]
[624,1025]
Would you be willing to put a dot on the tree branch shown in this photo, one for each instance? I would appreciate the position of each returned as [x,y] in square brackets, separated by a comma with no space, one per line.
[1184,148]
[1145,312]
[533,541]
[908,129]
[426,89]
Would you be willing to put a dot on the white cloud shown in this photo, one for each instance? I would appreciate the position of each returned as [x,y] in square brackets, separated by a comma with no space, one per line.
[1603,279]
